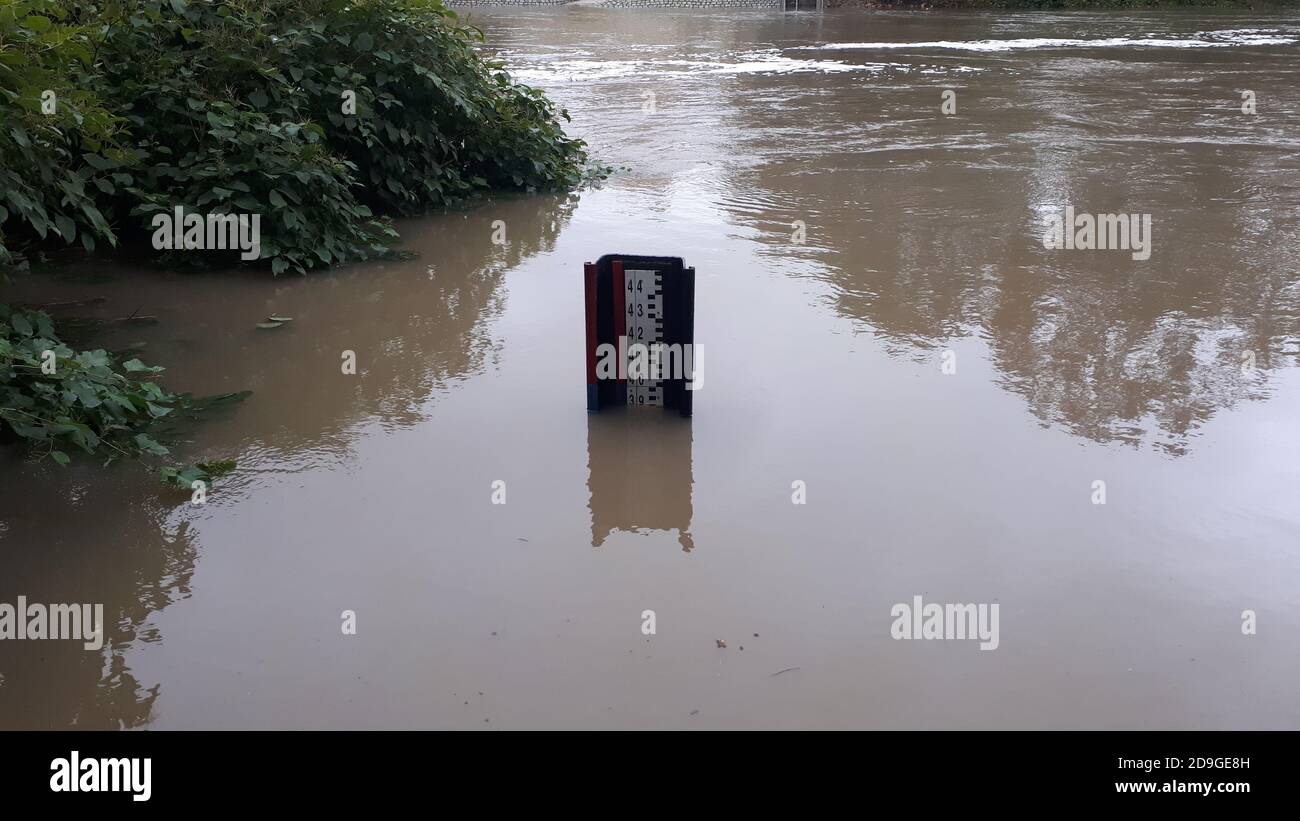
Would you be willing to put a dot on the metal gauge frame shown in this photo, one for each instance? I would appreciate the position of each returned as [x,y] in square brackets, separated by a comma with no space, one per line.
[646,300]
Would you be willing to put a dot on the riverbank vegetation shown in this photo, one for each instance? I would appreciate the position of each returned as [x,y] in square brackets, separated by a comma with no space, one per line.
[60,400]
[322,118]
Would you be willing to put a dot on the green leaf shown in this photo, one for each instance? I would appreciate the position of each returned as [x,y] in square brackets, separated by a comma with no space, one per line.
[67,228]
[60,457]
[87,394]
[219,467]
[98,162]
[148,445]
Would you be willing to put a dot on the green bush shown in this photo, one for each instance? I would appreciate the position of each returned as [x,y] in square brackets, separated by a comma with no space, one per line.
[245,107]
[48,124]
[434,121]
[57,398]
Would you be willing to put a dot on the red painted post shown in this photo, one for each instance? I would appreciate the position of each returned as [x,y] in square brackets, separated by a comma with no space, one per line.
[619,281]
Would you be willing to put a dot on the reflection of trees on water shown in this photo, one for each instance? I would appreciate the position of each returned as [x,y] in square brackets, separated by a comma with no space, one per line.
[1110,348]
[113,537]
[430,331]
[1113,365]
[928,245]
[416,325]
[100,547]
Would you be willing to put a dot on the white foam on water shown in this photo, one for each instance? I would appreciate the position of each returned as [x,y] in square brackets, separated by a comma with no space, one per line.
[1226,38]
[773,64]
[574,70]
[758,62]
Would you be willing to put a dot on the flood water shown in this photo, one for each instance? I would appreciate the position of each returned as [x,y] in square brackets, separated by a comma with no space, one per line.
[735,132]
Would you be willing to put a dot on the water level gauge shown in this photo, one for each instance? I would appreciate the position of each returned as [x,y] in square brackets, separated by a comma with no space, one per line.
[640,332]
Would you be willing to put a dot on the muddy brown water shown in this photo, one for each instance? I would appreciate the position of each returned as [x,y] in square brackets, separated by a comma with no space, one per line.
[823,364]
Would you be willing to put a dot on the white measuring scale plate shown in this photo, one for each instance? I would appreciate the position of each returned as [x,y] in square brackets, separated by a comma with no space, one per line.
[645,325]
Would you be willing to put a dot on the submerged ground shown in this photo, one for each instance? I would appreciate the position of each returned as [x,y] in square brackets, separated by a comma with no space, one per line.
[847,236]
